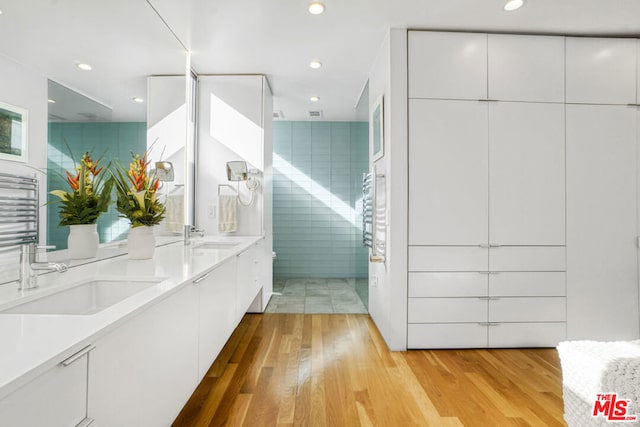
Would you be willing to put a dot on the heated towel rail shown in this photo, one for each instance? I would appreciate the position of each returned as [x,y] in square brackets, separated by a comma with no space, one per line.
[373,217]
[18,210]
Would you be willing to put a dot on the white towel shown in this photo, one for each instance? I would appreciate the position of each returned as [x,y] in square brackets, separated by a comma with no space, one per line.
[227,217]
[174,213]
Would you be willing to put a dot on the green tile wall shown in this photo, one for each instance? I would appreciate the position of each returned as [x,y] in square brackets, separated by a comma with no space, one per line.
[116,140]
[317,196]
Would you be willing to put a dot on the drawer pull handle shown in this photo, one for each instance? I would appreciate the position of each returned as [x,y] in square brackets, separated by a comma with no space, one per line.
[488,272]
[86,422]
[484,245]
[492,245]
[488,298]
[76,356]
[200,279]
[488,324]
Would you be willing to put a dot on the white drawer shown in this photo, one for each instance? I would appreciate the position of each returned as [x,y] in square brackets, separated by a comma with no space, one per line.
[448,258]
[447,310]
[527,334]
[451,335]
[456,284]
[527,309]
[531,284]
[527,258]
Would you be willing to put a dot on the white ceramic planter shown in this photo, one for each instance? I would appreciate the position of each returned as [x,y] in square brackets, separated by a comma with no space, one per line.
[141,243]
[83,241]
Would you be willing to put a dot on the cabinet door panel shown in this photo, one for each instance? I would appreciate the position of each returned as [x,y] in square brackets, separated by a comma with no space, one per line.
[602,270]
[526,68]
[449,335]
[217,313]
[528,309]
[447,65]
[527,334]
[448,258]
[458,284]
[57,398]
[448,169]
[601,70]
[143,372]
[447,310]
[527,174]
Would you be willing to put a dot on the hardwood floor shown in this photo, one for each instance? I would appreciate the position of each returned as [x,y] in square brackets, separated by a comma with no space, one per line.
[336,370]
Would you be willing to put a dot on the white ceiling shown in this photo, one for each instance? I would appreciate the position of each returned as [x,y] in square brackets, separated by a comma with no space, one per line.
[279,37]
[125,40]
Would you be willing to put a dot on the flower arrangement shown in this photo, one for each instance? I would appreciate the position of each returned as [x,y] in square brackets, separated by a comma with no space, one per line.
[90,194]
[136,193]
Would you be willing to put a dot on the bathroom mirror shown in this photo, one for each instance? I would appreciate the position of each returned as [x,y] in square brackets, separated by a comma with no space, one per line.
[164,171]
[82,69]
[237,170]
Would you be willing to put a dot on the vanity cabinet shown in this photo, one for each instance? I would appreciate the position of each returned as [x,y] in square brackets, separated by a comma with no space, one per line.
[57,398]
[144,371]
[216,311]
[249,278]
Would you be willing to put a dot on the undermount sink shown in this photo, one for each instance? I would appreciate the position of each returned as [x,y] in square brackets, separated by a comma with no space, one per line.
[216,245]
[84,299]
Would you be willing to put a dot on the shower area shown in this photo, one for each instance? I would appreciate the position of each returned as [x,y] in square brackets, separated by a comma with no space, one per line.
[321,264]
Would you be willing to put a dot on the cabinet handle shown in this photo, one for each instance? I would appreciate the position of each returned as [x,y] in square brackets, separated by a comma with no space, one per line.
[86,422]
[487,100]
[488,272]
[74,357]
[484,245]
[493,245]
[200,279]
[488,298]
[488,324]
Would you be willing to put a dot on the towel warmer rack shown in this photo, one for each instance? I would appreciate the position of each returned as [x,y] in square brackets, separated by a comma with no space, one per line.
[373,217]
[19,205]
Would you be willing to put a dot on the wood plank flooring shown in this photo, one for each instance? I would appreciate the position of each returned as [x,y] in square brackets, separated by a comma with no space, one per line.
[336,370]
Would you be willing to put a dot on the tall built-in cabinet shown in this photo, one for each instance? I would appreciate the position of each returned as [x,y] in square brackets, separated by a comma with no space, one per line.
[522,204]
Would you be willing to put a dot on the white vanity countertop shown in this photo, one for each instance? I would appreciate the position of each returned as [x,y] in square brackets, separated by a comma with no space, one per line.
[30,344]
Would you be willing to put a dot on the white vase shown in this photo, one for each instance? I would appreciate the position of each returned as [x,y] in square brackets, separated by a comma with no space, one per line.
[141,243]
[83,241]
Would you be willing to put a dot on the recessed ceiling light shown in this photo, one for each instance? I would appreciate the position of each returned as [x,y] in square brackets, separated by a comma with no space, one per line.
[137,99]
[83,66]
[315,64]
[51,101]
[314,98]
[316,7]
[0,12]
[512,5]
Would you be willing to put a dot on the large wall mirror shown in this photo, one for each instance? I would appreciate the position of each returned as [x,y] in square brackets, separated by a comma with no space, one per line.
[133,94]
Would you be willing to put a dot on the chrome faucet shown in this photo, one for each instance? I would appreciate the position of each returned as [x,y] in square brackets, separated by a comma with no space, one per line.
[29,266]
[189,231]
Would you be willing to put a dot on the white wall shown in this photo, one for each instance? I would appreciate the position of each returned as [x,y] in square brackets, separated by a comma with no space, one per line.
[240,122]
[388,300]
[25,87]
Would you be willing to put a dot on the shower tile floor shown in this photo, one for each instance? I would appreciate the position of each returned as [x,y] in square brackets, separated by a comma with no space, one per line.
[319,296]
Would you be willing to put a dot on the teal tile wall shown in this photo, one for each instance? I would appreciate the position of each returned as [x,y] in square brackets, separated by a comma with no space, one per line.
[116,141]
[317,198]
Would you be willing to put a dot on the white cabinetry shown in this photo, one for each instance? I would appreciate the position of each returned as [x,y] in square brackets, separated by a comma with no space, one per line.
[448,168]
[526,68]
[216,292]
[447,65]
[526,177]
[57,398]
[143,372]
[601,70]
[486,192]
[602,255]
[249,279]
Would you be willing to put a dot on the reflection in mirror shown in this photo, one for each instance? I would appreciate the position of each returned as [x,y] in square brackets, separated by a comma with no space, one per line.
[237,170]
[78,124]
